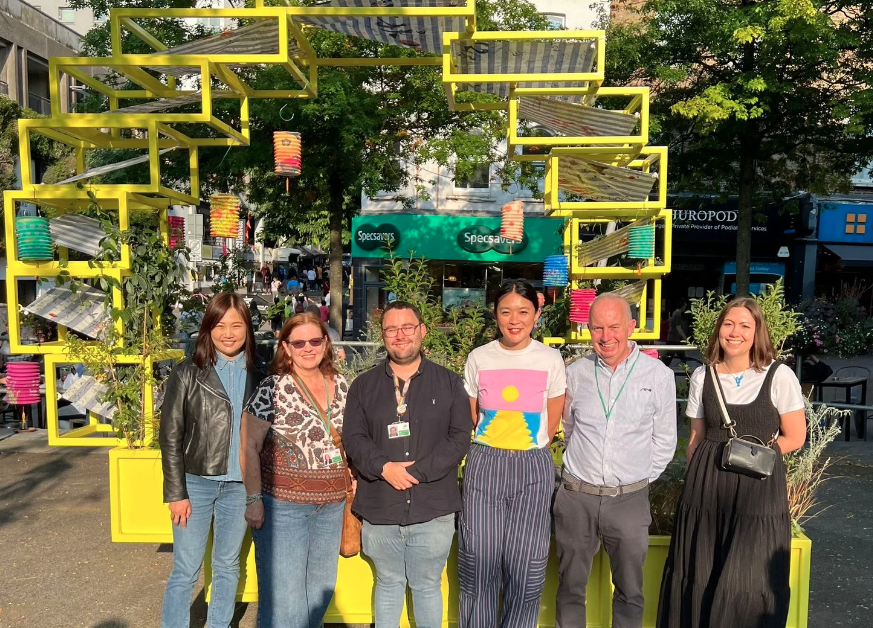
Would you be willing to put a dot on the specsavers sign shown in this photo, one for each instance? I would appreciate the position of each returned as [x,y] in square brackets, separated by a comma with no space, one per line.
[453,238]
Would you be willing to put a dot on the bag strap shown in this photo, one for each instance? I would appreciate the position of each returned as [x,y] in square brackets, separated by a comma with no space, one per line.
[337,440]
[727,423]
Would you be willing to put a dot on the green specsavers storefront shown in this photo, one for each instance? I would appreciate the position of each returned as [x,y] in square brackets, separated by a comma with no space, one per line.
[466,255]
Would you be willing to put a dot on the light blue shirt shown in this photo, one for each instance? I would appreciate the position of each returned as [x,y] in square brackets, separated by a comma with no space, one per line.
[638,439]
[232,374]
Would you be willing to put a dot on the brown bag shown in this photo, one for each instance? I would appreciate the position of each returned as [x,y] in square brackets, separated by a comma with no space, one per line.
[350,545]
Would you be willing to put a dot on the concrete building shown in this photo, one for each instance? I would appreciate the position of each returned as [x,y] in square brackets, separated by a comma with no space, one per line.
[78,20]
[28,39]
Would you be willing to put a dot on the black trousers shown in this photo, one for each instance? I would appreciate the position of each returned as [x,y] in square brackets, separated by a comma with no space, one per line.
[622,523]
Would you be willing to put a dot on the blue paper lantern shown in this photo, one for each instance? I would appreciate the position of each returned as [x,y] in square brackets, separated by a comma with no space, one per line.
[555,271]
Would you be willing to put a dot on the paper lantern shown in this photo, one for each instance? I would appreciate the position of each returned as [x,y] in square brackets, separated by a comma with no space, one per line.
[286,153]
[224,216]
[641,241]
[34,239]
[22,383]
[652,353]
[512,222]
[177,231]
[555,271]
[580,304]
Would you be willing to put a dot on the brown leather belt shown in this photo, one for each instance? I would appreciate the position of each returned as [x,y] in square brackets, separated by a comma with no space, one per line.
[572,483]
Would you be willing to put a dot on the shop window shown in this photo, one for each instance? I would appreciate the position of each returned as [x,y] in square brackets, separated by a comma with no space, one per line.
[856,223]
[478,179]
[66,15]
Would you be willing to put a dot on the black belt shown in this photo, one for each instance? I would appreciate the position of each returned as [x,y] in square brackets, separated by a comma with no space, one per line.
[572,483]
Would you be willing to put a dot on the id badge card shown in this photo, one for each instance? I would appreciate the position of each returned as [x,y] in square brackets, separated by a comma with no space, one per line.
[333,456]
[400,429]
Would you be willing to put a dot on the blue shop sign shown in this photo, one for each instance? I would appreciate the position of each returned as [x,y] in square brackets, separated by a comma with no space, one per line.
[757,268]
[845,222]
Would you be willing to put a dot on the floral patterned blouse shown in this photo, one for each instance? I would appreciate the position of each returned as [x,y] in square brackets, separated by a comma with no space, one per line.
[299,462]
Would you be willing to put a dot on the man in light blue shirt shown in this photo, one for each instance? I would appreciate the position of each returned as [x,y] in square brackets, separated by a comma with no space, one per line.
[620,434]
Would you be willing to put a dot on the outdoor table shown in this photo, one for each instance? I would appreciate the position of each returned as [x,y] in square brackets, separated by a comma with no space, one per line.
[846,384]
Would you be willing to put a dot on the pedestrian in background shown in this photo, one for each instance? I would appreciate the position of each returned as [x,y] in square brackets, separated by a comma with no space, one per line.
[407,429]
[200,455]
[295,477]
[516,389]
[310,275]
[730,551]
[619,435]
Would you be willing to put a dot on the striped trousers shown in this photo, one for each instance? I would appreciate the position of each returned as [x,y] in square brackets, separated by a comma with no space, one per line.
[503,536]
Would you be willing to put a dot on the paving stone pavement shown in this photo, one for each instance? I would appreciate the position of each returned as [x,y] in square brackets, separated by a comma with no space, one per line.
[59,568]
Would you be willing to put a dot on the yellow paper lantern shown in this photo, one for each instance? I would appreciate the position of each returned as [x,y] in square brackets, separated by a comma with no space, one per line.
[224,216]
[286,153]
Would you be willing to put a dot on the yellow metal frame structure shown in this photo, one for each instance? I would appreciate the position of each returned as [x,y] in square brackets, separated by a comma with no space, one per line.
[151,124]
[84,436]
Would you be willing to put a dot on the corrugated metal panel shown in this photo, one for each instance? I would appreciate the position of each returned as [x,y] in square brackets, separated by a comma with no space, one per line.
[602,182]
[574,119]
[77,232]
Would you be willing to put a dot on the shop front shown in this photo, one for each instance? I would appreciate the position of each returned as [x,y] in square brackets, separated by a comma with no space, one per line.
[466,256]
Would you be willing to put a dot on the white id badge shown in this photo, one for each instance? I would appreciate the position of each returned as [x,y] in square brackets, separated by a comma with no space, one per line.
[398,430]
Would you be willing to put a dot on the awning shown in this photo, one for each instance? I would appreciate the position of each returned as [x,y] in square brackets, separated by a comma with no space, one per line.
[421,33]
[576,120]
[602,182]
[853,254]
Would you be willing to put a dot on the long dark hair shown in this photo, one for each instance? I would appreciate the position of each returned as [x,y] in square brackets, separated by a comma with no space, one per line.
[280,366]
[520,287]
[204,350]
[762,352]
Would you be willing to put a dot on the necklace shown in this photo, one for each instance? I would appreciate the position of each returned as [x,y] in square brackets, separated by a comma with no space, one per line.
[737,378]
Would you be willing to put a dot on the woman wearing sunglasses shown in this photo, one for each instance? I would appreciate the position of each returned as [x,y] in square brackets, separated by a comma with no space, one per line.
[295,476]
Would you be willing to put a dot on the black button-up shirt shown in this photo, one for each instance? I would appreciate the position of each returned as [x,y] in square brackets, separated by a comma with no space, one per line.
[440,424]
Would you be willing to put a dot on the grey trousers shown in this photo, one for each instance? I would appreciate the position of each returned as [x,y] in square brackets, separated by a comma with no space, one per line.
[581,521]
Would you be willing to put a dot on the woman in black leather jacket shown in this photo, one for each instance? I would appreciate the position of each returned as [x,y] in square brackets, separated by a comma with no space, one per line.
[200,451]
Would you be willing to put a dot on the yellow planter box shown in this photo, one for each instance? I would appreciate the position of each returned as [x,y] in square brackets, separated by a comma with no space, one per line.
[136,500]
[140,516]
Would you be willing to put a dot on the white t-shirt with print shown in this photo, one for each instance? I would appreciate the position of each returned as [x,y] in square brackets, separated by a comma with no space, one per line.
[784,390]
[513,389]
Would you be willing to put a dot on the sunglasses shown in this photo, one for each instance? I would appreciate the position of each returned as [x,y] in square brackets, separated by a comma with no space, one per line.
[312,342]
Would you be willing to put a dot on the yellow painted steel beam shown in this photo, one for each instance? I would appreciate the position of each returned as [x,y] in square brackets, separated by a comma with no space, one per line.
[229,78]
[328,11]
[142,34]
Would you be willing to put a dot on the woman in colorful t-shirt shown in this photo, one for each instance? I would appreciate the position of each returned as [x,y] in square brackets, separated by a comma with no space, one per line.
[516,387]
[295,476]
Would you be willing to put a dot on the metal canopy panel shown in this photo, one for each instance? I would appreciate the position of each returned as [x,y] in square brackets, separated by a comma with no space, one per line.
[118,165]
[164,104]
[602,182]
[424,34]
[260,38]
[523,57]
[77,232]
[83,311]
[575,120]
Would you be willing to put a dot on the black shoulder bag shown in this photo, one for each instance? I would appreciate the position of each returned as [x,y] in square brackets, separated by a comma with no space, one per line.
[746,455]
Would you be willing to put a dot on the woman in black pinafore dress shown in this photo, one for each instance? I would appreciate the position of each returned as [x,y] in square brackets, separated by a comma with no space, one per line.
[730,550]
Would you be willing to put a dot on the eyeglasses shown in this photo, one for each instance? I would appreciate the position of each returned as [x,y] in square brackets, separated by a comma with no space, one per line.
[299,344]
[408,330]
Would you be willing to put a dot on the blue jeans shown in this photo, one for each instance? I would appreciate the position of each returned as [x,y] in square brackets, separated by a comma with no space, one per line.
[296,553]
[416,553]
[226,503]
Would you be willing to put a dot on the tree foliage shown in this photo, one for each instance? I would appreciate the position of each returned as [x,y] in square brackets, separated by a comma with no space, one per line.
[760,99]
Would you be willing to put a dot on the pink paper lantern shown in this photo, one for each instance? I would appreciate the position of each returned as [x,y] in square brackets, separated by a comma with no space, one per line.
[22,383]
[580,304]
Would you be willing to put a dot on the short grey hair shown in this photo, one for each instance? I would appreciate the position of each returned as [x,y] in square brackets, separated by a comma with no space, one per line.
[609,296]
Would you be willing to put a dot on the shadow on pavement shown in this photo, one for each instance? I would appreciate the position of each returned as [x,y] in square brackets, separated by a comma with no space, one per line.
[199,608]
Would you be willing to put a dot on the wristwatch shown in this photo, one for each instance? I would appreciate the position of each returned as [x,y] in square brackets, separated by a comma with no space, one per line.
[251,499]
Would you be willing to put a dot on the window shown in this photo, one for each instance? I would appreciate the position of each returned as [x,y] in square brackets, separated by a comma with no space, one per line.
[67,15]
[557,21]
[479,178]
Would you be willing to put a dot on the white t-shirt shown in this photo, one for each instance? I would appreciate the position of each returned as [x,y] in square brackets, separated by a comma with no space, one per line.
[784,390]
[513,389]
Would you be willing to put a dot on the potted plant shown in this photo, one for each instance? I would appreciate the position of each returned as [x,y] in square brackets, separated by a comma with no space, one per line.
[134,345]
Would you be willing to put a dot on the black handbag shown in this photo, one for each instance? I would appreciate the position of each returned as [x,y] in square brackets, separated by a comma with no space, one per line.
[746,455]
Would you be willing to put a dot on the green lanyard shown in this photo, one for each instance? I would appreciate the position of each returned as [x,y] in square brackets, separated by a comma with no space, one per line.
[608,413]
[308,394]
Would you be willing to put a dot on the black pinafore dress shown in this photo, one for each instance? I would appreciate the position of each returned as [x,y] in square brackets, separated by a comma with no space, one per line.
[730,550]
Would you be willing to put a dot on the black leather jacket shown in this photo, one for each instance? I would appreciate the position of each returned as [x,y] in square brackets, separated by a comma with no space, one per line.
[196,425]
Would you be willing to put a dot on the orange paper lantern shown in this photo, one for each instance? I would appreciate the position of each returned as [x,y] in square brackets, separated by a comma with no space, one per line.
[224,216]
[286,153]
[512,223]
